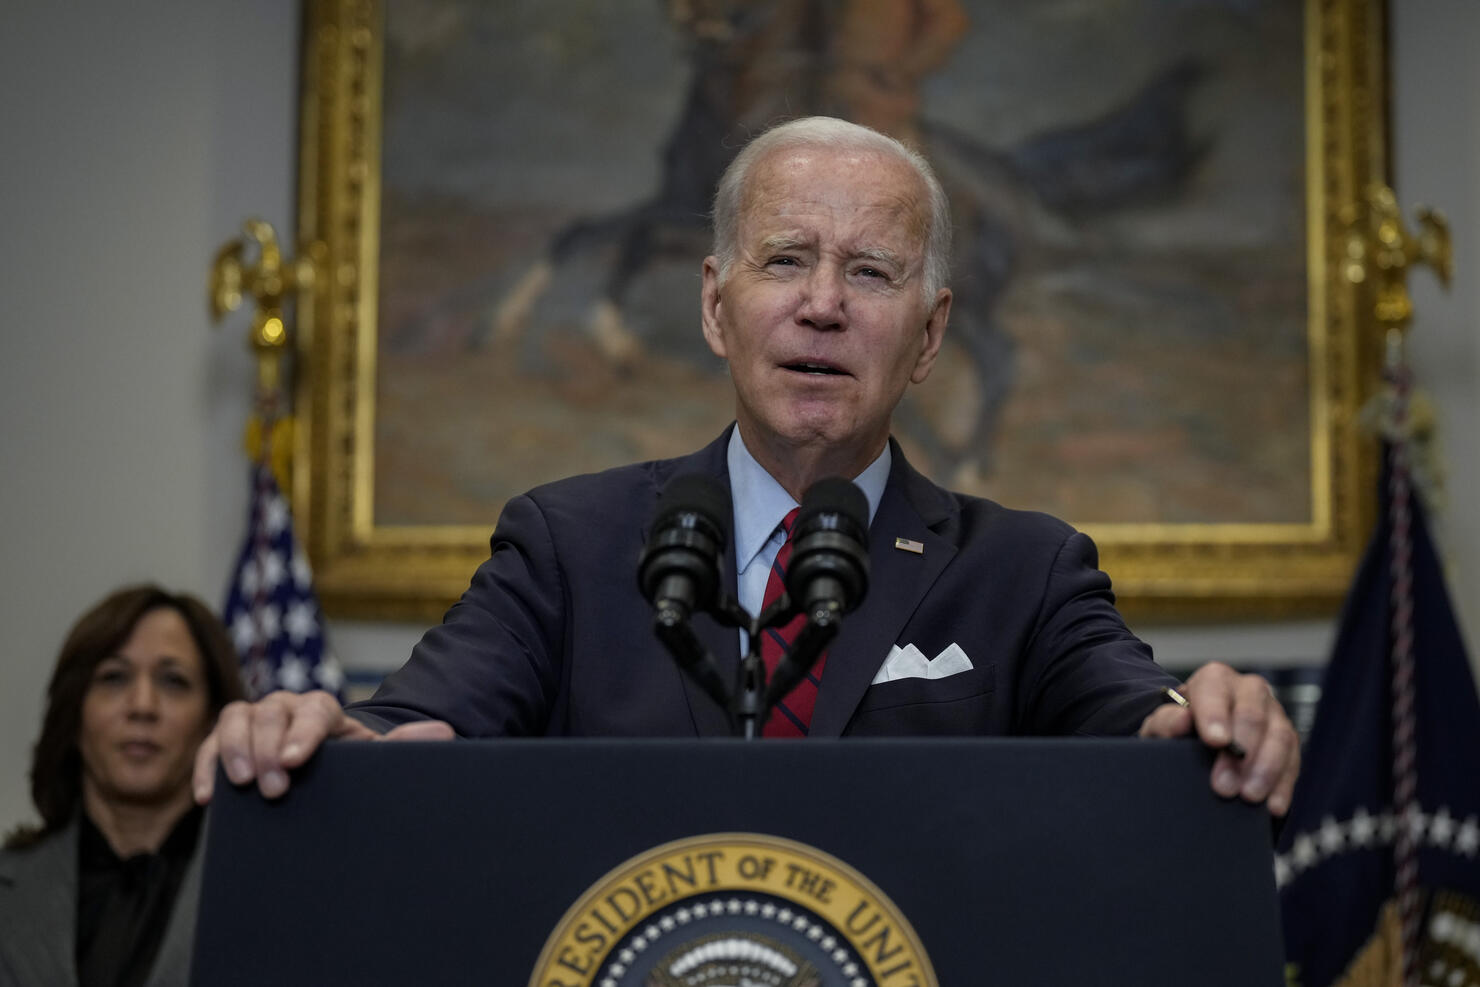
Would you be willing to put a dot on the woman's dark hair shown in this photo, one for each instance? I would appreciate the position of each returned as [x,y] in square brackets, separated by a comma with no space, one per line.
[56,762]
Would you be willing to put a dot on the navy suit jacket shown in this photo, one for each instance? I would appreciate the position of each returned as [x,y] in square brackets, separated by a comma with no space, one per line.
[553,636]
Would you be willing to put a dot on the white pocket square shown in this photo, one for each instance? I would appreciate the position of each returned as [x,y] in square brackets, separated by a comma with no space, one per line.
[909,662]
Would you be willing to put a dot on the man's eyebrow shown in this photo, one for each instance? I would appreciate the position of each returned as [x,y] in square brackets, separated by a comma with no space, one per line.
[783,241]
[881,254]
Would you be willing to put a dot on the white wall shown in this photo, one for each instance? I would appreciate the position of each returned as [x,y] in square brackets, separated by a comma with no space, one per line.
[140,135]
[137,137]
[1436,162]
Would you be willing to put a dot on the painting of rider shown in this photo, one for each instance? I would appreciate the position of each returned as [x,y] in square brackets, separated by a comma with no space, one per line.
[1129,341]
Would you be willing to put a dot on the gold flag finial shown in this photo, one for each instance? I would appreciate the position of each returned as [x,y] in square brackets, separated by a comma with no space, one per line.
[1380,249]
[270,281]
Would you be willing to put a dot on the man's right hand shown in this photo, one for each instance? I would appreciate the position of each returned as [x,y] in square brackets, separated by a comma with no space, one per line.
[263,741]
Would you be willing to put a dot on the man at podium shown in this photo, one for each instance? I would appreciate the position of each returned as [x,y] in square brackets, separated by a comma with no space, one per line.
[827,296]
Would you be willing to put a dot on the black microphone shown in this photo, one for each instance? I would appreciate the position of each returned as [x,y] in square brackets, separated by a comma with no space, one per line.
[829,558]
[826,577]
[679,571]
[679,566]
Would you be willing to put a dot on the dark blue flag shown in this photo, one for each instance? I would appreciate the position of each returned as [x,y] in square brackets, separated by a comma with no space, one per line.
[1385,825]
[271,610]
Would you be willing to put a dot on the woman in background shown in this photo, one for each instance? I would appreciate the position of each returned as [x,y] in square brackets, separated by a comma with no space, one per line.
[103,892]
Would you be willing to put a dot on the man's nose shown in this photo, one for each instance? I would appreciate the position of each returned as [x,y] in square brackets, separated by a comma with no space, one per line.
[822,304]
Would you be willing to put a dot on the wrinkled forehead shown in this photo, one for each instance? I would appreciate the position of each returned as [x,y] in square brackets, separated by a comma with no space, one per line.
[868,191]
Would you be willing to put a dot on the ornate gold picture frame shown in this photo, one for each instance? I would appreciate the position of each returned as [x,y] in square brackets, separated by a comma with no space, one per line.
[1154,339]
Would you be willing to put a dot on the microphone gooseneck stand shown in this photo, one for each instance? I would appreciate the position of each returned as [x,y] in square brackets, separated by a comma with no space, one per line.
[679,572]
[754,696]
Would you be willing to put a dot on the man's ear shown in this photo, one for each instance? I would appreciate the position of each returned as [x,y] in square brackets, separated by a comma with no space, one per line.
[935,334]
[710,304]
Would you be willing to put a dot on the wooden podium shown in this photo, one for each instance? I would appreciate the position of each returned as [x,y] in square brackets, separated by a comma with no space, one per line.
[637,862]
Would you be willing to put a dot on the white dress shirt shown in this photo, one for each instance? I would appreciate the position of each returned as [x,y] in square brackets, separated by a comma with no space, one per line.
[760,505]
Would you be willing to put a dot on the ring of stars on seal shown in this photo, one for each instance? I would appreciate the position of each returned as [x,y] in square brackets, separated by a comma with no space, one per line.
[733,910]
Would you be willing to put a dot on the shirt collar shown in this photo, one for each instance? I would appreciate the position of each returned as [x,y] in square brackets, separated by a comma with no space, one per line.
[761,502]
[179,844]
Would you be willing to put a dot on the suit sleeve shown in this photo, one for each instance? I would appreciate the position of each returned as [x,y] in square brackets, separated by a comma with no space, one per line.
[1085,673]
[493,666]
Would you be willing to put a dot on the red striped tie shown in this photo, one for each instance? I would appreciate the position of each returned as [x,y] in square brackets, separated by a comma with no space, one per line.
[793,713]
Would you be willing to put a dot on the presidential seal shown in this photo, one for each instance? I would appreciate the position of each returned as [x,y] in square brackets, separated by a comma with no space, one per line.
[733,910]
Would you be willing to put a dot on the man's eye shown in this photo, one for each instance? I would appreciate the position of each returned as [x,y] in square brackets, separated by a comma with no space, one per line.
[784,261]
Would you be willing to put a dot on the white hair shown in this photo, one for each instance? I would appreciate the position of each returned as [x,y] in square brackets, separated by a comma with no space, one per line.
[830,132]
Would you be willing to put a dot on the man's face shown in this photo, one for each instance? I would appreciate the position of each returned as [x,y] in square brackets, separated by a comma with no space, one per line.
[822,315]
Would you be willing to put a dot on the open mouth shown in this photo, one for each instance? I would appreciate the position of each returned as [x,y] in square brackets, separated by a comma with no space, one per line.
[820,369]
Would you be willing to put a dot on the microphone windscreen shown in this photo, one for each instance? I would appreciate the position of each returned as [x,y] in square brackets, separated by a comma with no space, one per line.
[835,496]
[697,493]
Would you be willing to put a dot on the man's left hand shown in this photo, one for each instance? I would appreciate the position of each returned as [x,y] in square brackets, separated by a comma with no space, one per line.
[1225,706]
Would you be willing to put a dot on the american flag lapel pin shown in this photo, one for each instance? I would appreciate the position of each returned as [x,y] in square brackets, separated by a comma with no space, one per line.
[910,545]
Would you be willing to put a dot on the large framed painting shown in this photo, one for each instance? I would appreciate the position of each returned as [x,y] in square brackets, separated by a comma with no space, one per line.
[1151,338]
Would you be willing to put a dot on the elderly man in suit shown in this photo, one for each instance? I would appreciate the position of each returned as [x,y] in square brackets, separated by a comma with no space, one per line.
[827,296]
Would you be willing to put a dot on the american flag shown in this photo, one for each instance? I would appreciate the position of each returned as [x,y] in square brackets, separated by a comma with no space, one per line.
[271,610]
[1380,880]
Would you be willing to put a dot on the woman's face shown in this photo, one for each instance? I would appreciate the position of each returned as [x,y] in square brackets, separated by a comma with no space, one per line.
[145,712]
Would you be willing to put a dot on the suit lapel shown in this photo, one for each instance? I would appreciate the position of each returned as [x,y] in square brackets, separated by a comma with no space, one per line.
[723,642]
[914,508]
[38,910]
[172,964]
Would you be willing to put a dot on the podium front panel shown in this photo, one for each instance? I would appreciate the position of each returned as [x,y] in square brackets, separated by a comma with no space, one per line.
[1016,862]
